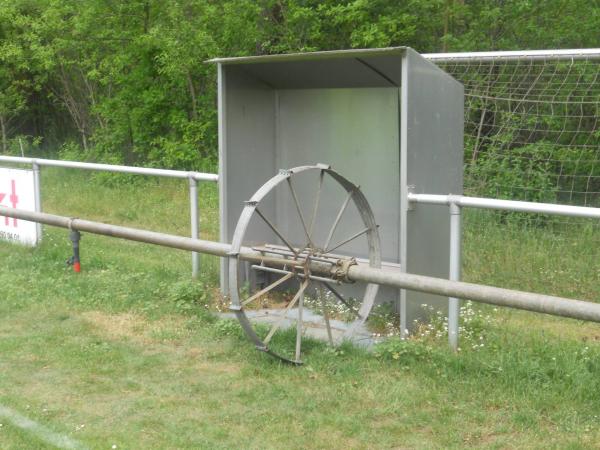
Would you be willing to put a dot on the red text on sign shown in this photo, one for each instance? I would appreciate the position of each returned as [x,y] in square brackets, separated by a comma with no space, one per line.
[14,201]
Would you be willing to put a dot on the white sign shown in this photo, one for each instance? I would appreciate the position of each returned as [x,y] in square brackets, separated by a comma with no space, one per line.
[17,190]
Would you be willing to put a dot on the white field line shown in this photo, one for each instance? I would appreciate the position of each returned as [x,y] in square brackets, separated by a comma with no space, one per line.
[39,430]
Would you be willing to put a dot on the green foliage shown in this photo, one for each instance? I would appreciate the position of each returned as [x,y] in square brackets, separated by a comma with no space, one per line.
[126,82]
[523,173]
[384,320]
[405,351]
[189,296]
[429,336]
[228,328]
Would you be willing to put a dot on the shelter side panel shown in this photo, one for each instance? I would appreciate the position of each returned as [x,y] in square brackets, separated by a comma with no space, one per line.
[434,163]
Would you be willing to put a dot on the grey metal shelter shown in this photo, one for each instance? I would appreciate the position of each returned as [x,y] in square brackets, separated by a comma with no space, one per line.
[387,119]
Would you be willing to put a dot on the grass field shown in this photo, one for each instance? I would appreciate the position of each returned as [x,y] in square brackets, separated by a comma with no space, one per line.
[125,354]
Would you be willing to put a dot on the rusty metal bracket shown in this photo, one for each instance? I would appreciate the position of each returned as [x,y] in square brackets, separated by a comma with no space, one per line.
[339,271]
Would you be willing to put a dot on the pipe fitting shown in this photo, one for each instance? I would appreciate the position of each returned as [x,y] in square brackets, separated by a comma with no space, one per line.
[339,271]
[454,202]
[75,237]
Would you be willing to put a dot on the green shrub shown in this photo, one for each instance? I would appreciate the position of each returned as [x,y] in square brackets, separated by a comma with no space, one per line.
[189,296]
[521,173]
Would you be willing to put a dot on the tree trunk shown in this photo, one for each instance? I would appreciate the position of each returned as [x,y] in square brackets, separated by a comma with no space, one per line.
[446,25]
[190,83]
[476,146]
[76,102]
[129,156]
[146,17]
[84,140]
[4,137]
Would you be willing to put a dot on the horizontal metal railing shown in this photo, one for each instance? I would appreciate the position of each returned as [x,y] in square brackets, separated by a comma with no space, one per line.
[193,177]
[563,54]
[541,303]
[452,287]
[507,205]
[198,176]
[456,202]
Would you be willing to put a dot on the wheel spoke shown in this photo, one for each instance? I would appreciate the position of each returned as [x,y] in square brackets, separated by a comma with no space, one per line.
[276,231]
[291,256]
[316,207]
[326,315]
[268,288]
[285,313]
[338,217]
[351,238]
[299,327]
[341,298]
[297,203]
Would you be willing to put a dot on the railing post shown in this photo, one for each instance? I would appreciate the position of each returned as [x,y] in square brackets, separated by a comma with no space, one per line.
[194,223]
[454,275]
[37,188]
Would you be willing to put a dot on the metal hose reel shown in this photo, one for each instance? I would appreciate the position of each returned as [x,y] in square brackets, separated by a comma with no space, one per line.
[312,263]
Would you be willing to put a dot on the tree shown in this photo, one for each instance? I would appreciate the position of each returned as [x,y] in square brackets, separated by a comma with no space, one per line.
[126,79]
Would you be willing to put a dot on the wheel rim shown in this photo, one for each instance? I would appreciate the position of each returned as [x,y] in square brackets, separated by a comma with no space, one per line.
[301,258]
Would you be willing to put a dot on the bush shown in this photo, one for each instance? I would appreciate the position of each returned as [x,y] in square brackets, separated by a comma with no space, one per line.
[189,296]
[522,173]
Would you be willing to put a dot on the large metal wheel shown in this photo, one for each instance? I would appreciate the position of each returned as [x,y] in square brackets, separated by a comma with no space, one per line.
[298,272]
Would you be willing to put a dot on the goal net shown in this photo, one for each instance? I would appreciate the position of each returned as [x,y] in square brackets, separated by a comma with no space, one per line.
[531,133]
[531,124]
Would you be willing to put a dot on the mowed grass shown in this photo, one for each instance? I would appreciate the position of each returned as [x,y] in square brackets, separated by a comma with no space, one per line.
[126,354]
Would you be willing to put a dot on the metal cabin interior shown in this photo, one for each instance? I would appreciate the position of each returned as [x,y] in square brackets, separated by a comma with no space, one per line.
[387,119]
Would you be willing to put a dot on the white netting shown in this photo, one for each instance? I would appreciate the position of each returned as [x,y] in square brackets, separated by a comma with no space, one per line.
[532,133]
[531,127]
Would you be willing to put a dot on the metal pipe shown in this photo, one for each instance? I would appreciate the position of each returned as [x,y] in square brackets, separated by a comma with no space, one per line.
[132,234]
[298,274]
[567,54]
[454,275]
[198,176]
[162,239]
[429,199]
[547,304]
[556,306]
[507,205]
[194,224]
[37,192]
